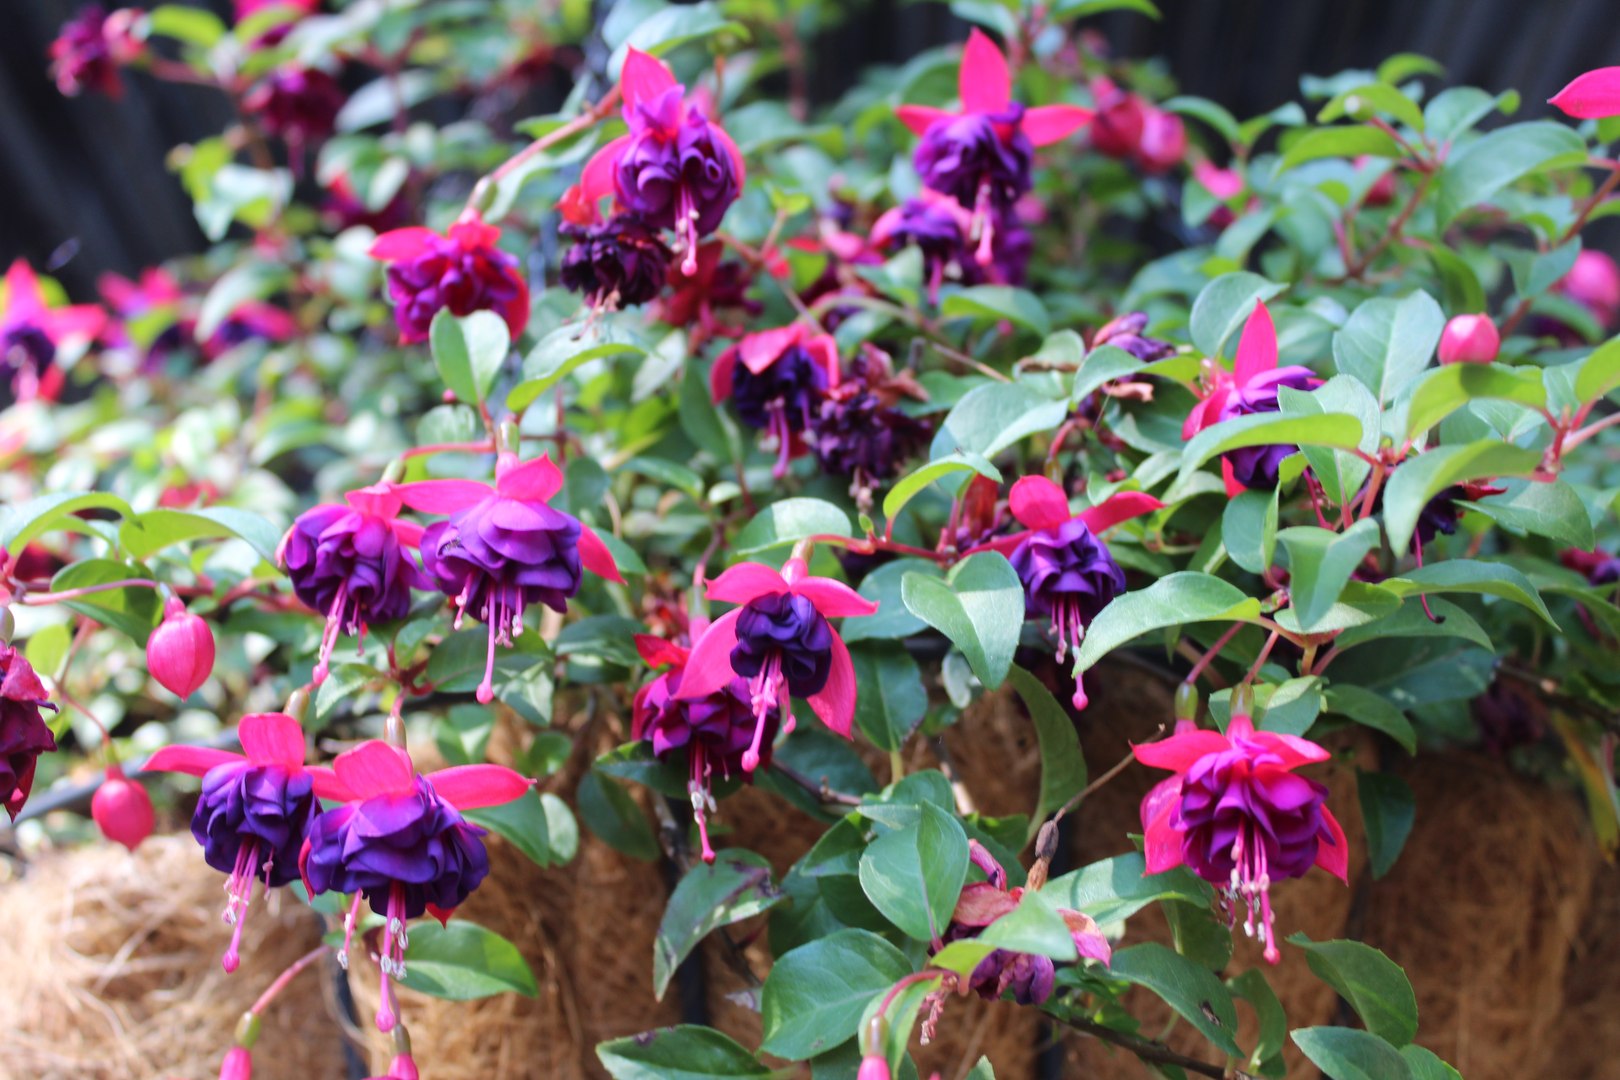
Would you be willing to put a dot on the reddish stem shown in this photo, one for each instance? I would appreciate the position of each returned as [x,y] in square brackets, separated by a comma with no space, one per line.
[286,977]
[487,446]
[1214,650]
[88,590]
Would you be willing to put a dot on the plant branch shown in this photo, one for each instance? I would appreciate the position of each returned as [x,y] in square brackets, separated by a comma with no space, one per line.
[287,976]
[587,119]
[1154,1052]
[819,791]
[1097,783]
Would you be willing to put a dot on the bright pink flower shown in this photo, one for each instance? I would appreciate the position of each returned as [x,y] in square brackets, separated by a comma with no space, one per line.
[462,270]
[784,374]
[403,1067]
[238,1064]
[1594,283]
[32,332]
[503,548]
[252,320]
[1121,116]
[1382,192]
[1163,142]
[180,652]
[1591,96]
[778,645]
[984,84]
[1224,184]
[1469,339]
[1238,816]
[122,809]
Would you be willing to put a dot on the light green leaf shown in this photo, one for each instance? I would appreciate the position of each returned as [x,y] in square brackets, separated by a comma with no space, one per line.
[979,605]
[884,587]
[565,349]
[1193,991]
[1063,764]
[994,416]
[999,302]
[1468,575]
[1380,96]
[1552,509]
[787,521]
[1319,564]
[1419,479]
[1341,142]
[914,874]
[1249,529]
[1269,429]
[686,1052]
[1370,981]
[462,961]
[1349,1054]
[1385,343]
[1224,305]
[1482,168]
[1183,597]
[908,486]
[157,529]
[736,886]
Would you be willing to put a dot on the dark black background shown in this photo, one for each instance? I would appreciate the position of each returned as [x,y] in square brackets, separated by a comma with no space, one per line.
[92,170]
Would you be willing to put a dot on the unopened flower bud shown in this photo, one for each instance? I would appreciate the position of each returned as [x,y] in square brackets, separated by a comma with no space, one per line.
[1046,841]
[247,1030]
[122,808]
[874,1061]
[180,652]
[238,1065]
[1469,339]
[1186,702]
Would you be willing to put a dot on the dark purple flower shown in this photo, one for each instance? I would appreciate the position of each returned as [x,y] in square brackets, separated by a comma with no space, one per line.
[1439,514]
[1125,332]
[859,434]
[938,226]
[24,735]
[1256,466]
[784,629]
[616,264]
[787,388]
[967,158]
[89,50]
[349,564]
[1067,573]
[298,105]
[463,271]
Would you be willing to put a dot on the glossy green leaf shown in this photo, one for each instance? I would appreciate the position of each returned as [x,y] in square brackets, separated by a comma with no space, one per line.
[1269,429]
[1193,991]
[540,826]
[913,875]
[1079,9]
[1385,342]
[909,485]
[814,995]
[686,1052]
[1114,889]
[1371,708]
[157,529]
[1380,96]
[892,698]
[565,349]
[1224,305]
[1482,168]
[1103,364]
[884,586]
[21,524]
[1553,510]
[462,961]
[1063,763]
[994,416]
[1370,981]
[1410,621]
[1251,986]
[1426,1065]
[1211,113]
[1320,562]
[1388,809]
[608,811]
[1419,479]
[1453,111]
[1599,373]
[1339,142]
[736,886]
[673,26]
[1033,927]
[133,611]
[1470,576]
[788,521]
[997,302]
[1183,597]
[1249,529]
[979,605]
[1449,388]
[194,26]
[704,424]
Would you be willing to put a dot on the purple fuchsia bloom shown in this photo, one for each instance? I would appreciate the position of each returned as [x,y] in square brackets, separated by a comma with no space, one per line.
[857,431]
[463,271]
[1067,572]
[24,735]
[1238,816]
[783,374]
[157,292]
[780,641]
[32,333]
[90,50]
[254,809]
[716,730]
[1250,387]
[298,105]
[503,548]
[939,226]
[253,320]
[616,264]
[982,156]
[1125,332]
[399,841]
[676,168]
[349,563]
[1029,977]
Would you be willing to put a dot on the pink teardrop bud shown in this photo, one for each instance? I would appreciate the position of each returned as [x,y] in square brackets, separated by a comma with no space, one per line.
[1469,339]
[875,1067]
[180,652]
[238,1064]
[122,808]
[403,1067]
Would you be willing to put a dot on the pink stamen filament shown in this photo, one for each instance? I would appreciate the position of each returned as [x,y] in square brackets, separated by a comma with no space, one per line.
[779,429]
[331,632]
[1251,882]
[702,801]
[686,226]
[392,960]
[983,227]
[1069,630]
[239,890]
[766,691]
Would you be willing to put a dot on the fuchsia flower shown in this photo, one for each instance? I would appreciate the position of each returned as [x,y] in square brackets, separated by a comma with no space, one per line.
[400,842]
[254,808]
[676,168]
[1250,387]
[180,651]
[298,105]
[503,548]
[1591,96]
[350,564]
[780,641]
[157,291]
[1068,574]
[1030,978]
[91,48]
[32,332]
[1163,142]
[253,320]
[1238,816]
[122,809]
[982,155]
[784,372]
[1594,283]
[1469,339]
[462,270]
[24,735]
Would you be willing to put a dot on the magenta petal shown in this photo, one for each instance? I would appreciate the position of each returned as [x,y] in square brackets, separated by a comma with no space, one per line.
[734,150]
[1334,858]
[1162,845]
[643,78]
[982,904]
[835,703]
[919,118]
[442,496]
[1038,503]
[403,244]
[1203,414]
[1088,937]
[834,599]
[379,499]
[741,583]
[1118,508]
[328,786]
[1591,96]
[272,738]
[1257,348]
[708,668]
[467,787]
[983,81]
[1179,752]
[375,768]
[981,857]
[595,556]
[1047,124]
[532,481]
[1294,750]
[191,760]
[597,179]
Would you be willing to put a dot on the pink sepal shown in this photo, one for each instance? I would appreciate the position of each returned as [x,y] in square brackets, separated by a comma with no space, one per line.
[272,737]
[1229,478]
[835,703]
[834,599]
[374,768]
[1204,413]
[1591,96]
[643,78]
[402,243]
[1294,750]
[720,376]
[1047,124]
[759,351]
[656,652]
[379,499]
[733,149]
[1038,503]
[1118,508]
[595,556]
[708,668]
[78,321]
[443,496]
[983,80]
[467,787]
[982,904]
[1257,348]
[23,295]
[472,231]
[741,583]
[1088,937]
[980,856]
[1336,859]
[532,481]
[191,760]
[597,179]
[328,786]
[919,118]
[1162,840]
[1179,752]
[409,532]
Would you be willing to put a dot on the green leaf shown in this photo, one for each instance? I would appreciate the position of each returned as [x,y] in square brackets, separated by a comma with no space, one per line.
[814,995]
[736,886]
[565,349]
[999,302]
[1599,373]
[1182,597]
[1115,889]
[19,525]
[251,280]
[701,421]
[194,26]
[674,26]
[1402,66]
[1185,987]
[884,587]
[994,416]
[1379,96]
[1467,575]
[610,813]
[1340,142]
[1211,113]
[1079,9]
[687,1052]
[1449,388]
[1410,621]
[1419,479]
[462,961]
[1033,927]
[1198,935]
[157,529]
[1320,562]
[1348,1054]
[670,474]
[914,875]
[344,679]
[1387,810]
[1370,981]
[1462,292]
[1536,272]
[1553,510]
[787,521]
[1223,306]
[625,558]
[1103,364]
[1252,987]
[1373,709]
[1426,1065]
[1358,603]
[908,486]
[892,699]
[979,605]
[1482,168]
[134,610]
[1249,529]
[1063,764]
[610,637]
[47,647]
[1452,112]
[1385,343]
[469,351]
[1269,429]
[534,824]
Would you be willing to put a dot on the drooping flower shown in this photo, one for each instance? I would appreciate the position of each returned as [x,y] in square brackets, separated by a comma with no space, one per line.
[697,297]
[782,374]
[676,168]
[1116,129]
[32,333]
[287,12]
[618,263]
[156,301]
[982,156]
[122,809]
[715,731]
[91,48]
[1067,572]
[298,105]
[1163,142]
[462,270]
[252,320]
[780,641]
[1591,96]
[503,548]
[254,808]
[1469,339]
[349,563]
[1031,978]
[1250,387]
[1125,332]
[180,650]
[1594,283]
[1238,816]
[939,226]
[24,735]
[399,842]
[856,429]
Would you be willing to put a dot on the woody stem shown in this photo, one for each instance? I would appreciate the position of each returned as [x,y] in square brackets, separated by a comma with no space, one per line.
[587,119]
